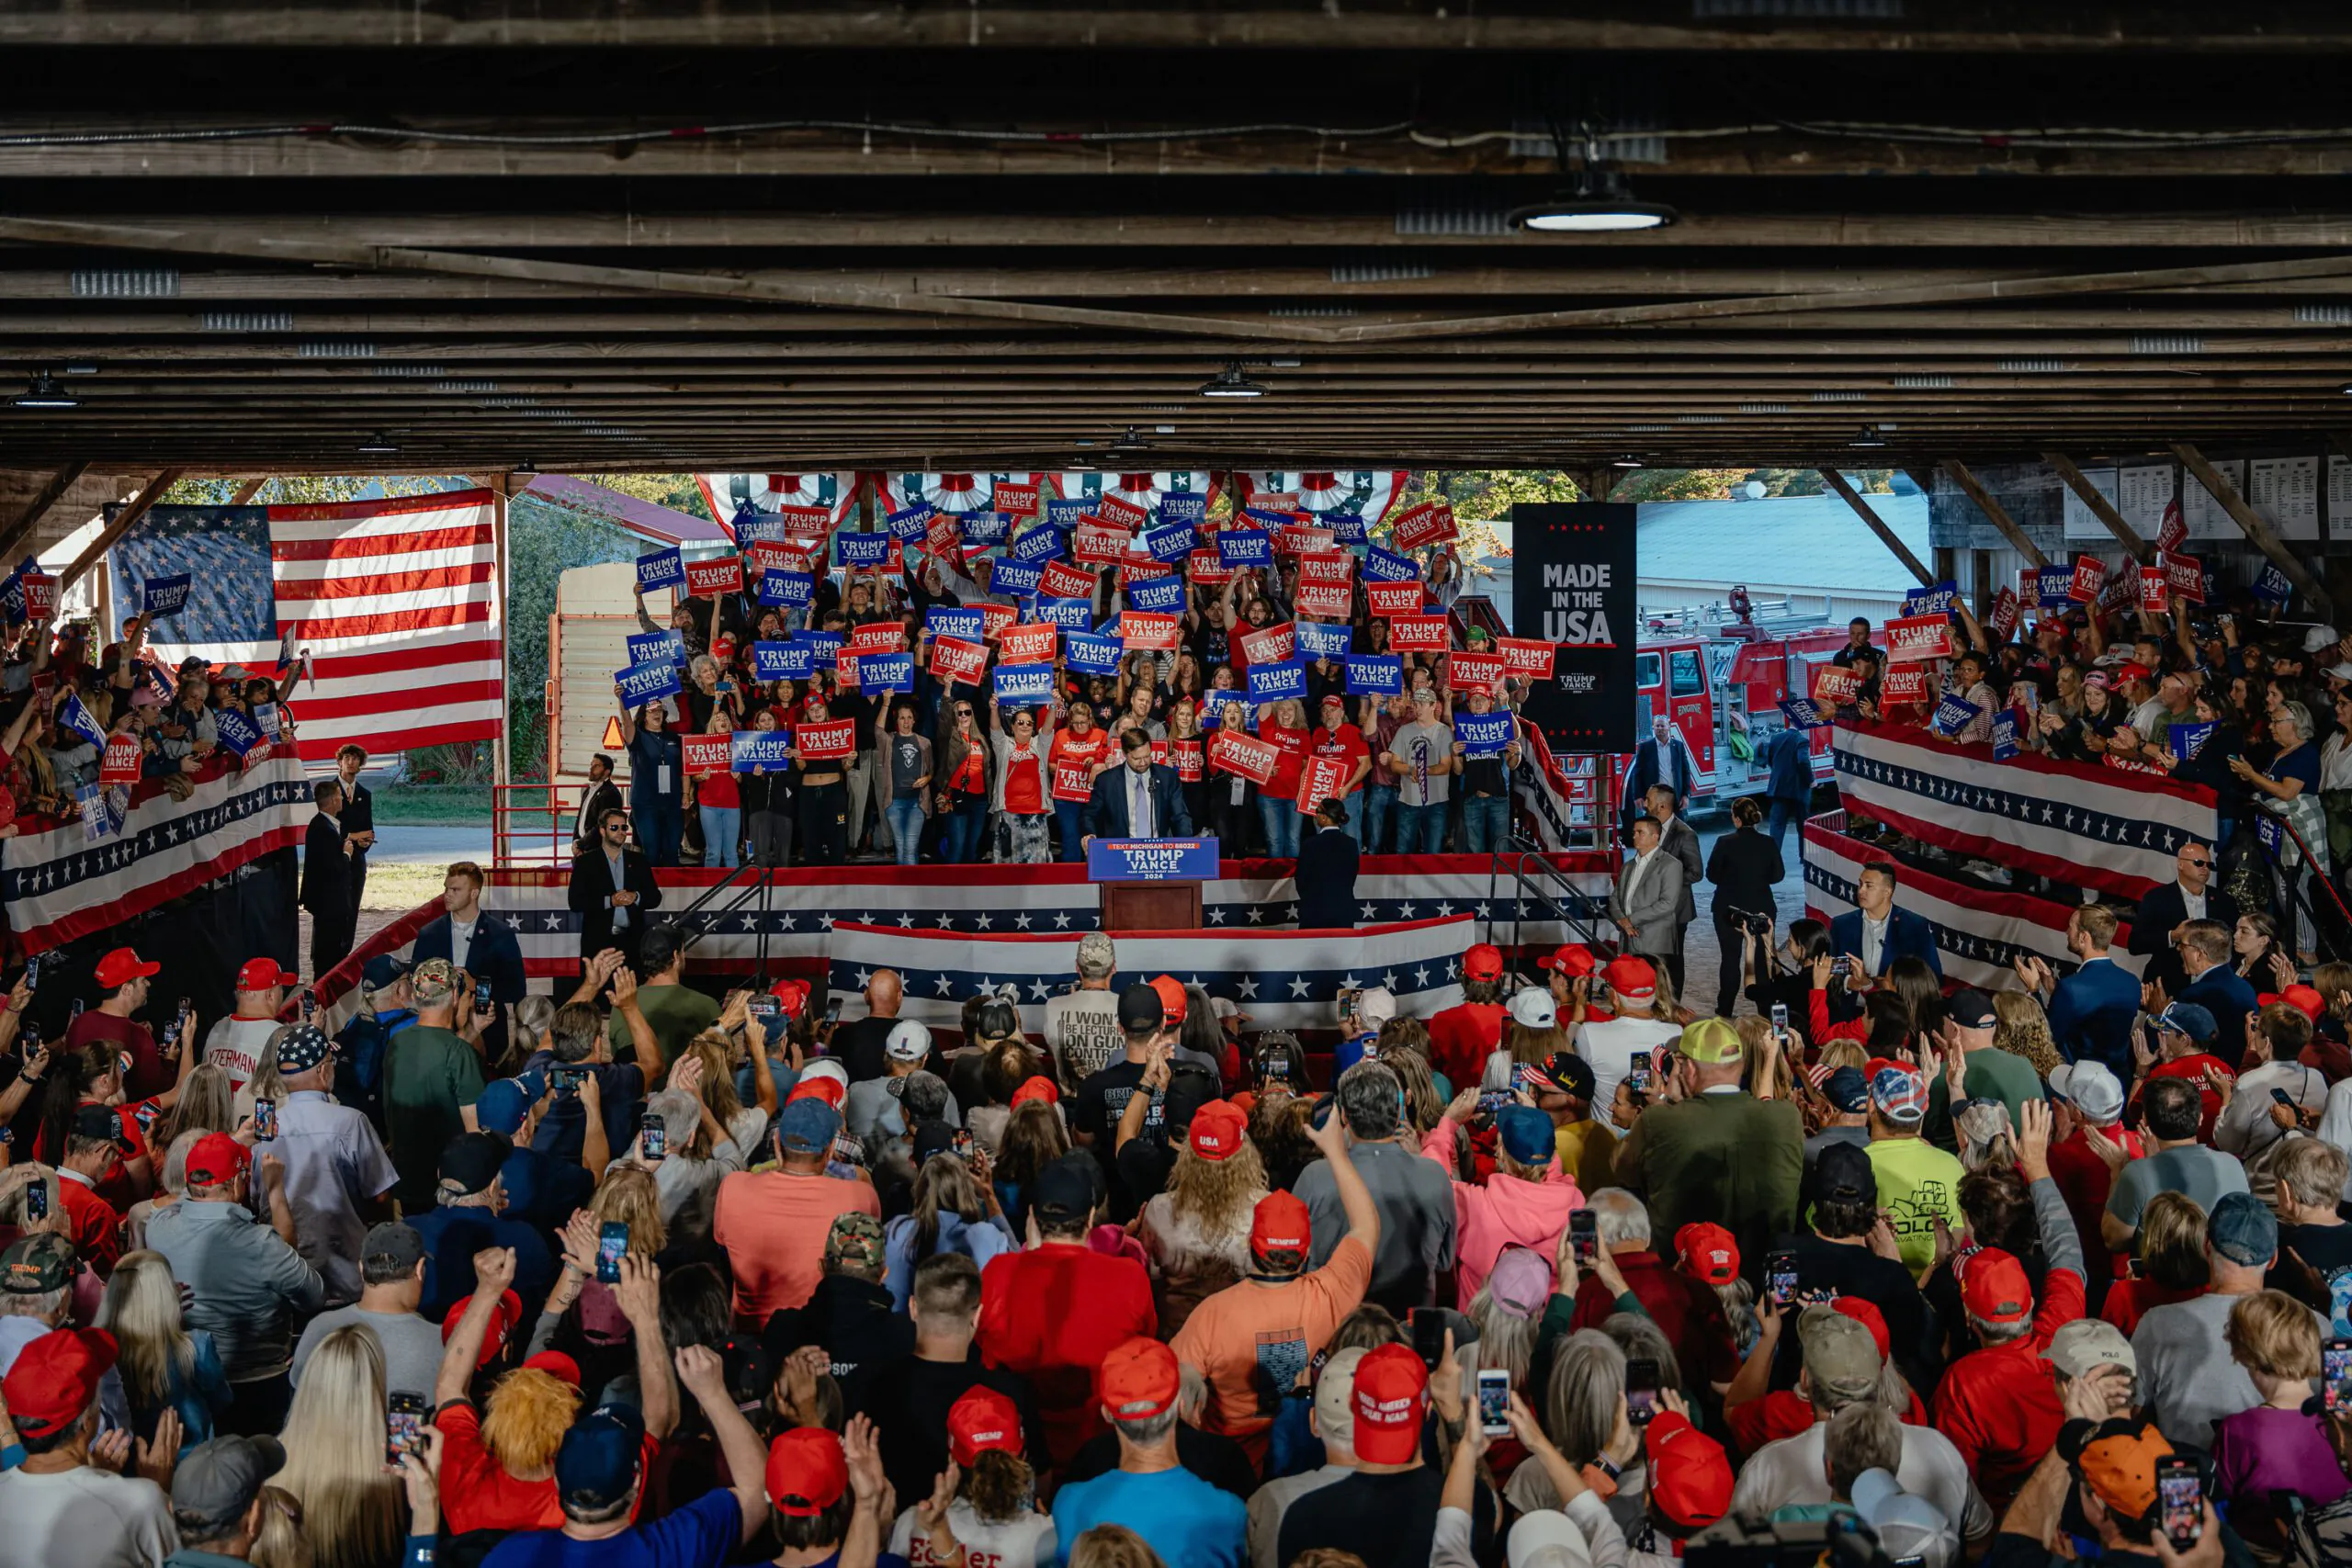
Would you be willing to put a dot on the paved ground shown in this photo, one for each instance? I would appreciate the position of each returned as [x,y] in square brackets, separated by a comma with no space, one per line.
[1703,955]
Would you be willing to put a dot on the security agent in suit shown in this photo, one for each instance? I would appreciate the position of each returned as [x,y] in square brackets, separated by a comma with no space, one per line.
[326,881]
[1664,759]
[1869,939]
[600,795]
[1110,810]
[1678,839]
[1326,872]
[2165,913]
[612,891]
[1648,892]
[358,819]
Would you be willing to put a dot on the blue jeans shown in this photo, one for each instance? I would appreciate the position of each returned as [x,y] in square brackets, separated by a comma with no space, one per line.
[1071,814]
[1281,819]
[1421,829]
[906,828]
[1485,822]
[658,825]
[1378,811]
[722,825]
[1776,826]
[1354,824]
[965,820]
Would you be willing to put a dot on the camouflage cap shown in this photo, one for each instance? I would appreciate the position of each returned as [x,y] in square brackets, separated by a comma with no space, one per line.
[854,1245]
[434,982]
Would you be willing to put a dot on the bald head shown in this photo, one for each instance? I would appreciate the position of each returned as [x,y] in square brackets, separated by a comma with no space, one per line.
[882,993]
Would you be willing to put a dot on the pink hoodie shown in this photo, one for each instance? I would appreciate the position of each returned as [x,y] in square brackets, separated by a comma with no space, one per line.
[1506,1212]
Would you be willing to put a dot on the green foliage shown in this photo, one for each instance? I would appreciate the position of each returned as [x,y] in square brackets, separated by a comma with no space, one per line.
[544,540]
[679,492]
[310,489]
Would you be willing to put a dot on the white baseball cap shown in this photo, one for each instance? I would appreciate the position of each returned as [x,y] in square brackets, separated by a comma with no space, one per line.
[2320,638]
[825,1067]
[2090,1087]
[907,1041]
[1533,1008]
[1376,1006]
[1547,1539]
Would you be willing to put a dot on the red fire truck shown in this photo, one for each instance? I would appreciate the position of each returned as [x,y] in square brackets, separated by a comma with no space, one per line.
[1719,671]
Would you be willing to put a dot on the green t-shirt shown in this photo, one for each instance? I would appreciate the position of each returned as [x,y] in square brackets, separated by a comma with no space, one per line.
[1917,1181]
[1727,1157]
[429,1073]
[675,1013]
[1992,1074]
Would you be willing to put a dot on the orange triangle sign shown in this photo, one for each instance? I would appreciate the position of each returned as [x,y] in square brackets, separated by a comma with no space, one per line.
[612,741]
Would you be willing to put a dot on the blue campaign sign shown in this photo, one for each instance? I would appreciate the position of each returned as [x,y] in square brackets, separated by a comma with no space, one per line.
[1803,713]
[910,523]
[1090,654]
[1385,566]
[1317,641]
[645,647]
[1244,547]
[660,568]
[265,715]
[773,661]
[1160,596]
[756,527]
[1070,614]
[1953,714]
[1183,507]
[986,527]
[163,595]
[1375,674]
[1272,683]
[1064,513]
[2005,735]
[2054,587]
[861,549]
[1025,682]
[643,684]
[1484,734]
[1214,701]
[1267,518]
[12,600]
[1007,575]
[1039,546]
[941,621]
[786,589]
[2187,739]
[824,646]
[1347,528]
[1151,860]
[760,751]
[236,732]
[879,672]
[2267,830]
[1173,543]
[2272,585]
[73,716]
[1936,599]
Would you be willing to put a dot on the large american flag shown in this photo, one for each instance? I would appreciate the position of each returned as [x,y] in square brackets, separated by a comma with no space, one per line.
[397,600]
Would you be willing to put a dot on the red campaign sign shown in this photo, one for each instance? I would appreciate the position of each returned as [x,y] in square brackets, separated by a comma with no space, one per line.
[1098,542]
[1910,638]
[1528,657]
[40,595]
[1432,522]
[1328,567]
[774,554]
[1133,572]
[2155,589]
[2173,532]
[1063,581]
[1903,686]
[120,764]
[1015,501]
[1126,513]
[894,566]
[1028,645]
[1295,540]
[1464,671]
[953,659]
[945,529]
[1269,644]
[994,618]
[1329,598]
[1420,634]
[1393,598]
[708,579]
[2121,591]
[1321,779]
[2004,618]
[845,668]
[1207,566]
[707,754]
[876,636]
[1235,752]
[835,738]
[2090,576]
[1143,629]
[809,521]
[1834,683]
[1188,752]
[1073,781]
[2185,576]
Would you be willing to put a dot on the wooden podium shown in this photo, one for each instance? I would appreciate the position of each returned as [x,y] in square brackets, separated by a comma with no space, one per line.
[1151,906]
[1151,884]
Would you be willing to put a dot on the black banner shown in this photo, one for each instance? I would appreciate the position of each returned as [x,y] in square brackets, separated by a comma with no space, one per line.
[1573,585]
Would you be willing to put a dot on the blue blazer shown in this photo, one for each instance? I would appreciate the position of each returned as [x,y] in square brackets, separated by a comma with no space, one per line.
[495,955]
[1106,808]
[2223,992]
[1908,936]
[2091,1014]
[1790,753]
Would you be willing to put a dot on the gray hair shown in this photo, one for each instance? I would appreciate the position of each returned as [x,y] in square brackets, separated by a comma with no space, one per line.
[174,1172]
[534,1014]
[2299,715]
[1146,1431]
[700,662]
[2312,1170]
[1097,959]
[1505,1339]
[1619,1217]
[1371,1099]
[1584,1395]
[1642,1339]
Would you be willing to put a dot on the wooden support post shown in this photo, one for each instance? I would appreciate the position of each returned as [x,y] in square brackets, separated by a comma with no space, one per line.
[1980,579]
[2265,537]
[1947,564]
[1596,482]
[1886,535]
[37,508]
[1994,510]
[244,492]
[131,512]
[2100,507]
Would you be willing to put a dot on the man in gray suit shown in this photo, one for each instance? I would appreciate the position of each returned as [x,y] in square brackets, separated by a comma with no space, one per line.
[1648,893]
[1680,840]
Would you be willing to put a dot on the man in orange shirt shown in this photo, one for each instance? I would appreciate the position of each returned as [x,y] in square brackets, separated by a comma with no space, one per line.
[773,1223]
[1252,1340]
[1052,1313]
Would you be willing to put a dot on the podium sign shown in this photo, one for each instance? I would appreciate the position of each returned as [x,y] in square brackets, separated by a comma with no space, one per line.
[1151,860]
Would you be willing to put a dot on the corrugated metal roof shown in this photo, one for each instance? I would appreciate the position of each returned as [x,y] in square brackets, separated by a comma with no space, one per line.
[1814,544]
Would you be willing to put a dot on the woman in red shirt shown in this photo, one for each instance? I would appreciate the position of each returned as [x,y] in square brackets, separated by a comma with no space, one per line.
[1023,785]
[1078,752]
[1284,725]
[963,784]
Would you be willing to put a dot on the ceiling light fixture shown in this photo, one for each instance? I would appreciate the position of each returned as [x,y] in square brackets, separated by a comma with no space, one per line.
[1868,436]
[1230,382]
[526,467]
[379,447]
[80,368]
[1598,204]
[1131,441]
[1626,460]
[45,393]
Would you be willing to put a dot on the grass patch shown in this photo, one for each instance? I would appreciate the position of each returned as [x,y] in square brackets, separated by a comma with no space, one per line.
[451,805]
[400,888]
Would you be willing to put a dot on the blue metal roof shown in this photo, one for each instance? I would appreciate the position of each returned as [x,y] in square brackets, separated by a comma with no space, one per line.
[1813,543]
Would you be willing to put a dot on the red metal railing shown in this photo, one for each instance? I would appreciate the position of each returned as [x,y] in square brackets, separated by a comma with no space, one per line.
[527,826]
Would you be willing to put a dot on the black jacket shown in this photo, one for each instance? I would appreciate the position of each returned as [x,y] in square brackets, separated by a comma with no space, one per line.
[856,1323]
[1327,880]
[606,796]
[326,870]
[1744,866]
[1107,814]
[2152,925]
[592,891]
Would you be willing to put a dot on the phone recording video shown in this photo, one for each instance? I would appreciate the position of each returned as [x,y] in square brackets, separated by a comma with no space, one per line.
[2334,1372]
[2180,1501]
[265,1119]
[962,1144]
[612,1241]
[1494,1401]
[403,1426]
[1584,1235]
[654,1138]
[481,994]
[1641,1392]
[1780,1279]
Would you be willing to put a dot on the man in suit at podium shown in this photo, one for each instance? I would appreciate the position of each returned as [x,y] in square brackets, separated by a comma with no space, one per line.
[1139,801]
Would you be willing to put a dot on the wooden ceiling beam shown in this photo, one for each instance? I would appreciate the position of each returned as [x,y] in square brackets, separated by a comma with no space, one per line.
[2265,537]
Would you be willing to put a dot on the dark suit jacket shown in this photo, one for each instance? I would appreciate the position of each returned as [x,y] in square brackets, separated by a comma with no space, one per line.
[2152,925]
[326,870]
[1327,880]
[606,796]
[1106,810]
[592,891]
[495,955]
[359,816]
[2225,993]
[1681,841]
[1643,772]
[2091,1014]
[1907,935]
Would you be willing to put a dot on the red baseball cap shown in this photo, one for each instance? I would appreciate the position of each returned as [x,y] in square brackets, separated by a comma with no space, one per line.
[2302,998]
[1482,962]
[217,1159]
[1993,1287]
[2130,672]
[806,1472]
[1708,1253]
[121,966]
[1571,960]
[1037,1088]
[1630,977]
[1392,1396]
[793,994]
[983,1421]
[825,1089]
[1137,1380]
[1690,1475]
[54,1379]
[556,1365]
[1171,997]
[1866,1312]
[260,975]
[1218,1131]
[503,1320]
[1280,1223]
